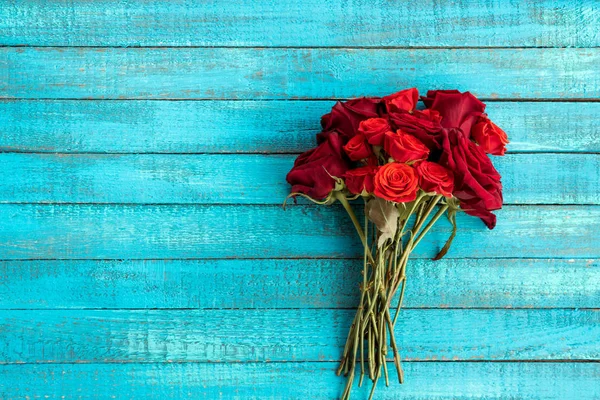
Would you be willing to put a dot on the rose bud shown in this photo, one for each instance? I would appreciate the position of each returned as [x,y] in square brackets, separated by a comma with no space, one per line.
[396,182]
[374,129]
[433,178]
[360,179]
[405,148]
[357,148]
[403,101]
[313,170]
[489,137]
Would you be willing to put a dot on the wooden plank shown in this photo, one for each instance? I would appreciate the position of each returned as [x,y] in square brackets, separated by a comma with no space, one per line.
[234,73]
[145,126]
[184,231]
[299,283]
[67,336]
[315,23]
[249,179]
[424,381]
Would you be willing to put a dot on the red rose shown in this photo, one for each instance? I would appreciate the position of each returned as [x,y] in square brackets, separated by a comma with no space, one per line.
[404,148]
[374,129]
[396,182]
[458,110]
[357,148]
[312,171]
[489,136]
[428,100]
[345,117]
[360,179]
[433,178]
[403,101]
[424,125]
[476,182]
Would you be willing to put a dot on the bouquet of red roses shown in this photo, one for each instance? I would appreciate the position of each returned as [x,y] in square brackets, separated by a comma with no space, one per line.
[410,167]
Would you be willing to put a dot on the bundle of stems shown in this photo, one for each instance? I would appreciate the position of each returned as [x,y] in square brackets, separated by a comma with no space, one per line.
[371,337]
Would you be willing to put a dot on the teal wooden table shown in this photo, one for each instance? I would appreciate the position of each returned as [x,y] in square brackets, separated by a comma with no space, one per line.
[143,249]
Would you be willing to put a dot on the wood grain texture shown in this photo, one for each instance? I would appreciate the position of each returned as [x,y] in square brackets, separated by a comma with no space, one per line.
[234,73]
[324,283]
[186,231]
[249,179]
[71,336]
[424,381]
[311,23]
[146,126]
[195,299]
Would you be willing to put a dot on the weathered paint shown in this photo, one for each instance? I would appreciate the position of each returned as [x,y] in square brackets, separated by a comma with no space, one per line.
[284,73]
[229,231]
[249,179]
[300,381]
[315,23]
[292,283]
[69,336]
[287,126]
[155,301]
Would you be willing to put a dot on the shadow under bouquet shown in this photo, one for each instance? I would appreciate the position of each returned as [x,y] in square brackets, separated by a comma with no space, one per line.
[410,167]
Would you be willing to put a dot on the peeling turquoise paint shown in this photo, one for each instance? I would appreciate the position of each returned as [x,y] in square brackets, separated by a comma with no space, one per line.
[143,249]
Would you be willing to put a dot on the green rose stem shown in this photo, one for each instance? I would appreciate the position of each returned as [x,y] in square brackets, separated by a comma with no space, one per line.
[412,243]
[432,222]
[348,364]
[373,322]
[342,199]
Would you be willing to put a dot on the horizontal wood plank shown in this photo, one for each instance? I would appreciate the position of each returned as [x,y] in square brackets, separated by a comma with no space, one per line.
[66,336]
[182,231]
[250,179]
[325,283]
[313,23]
[233,73]
[146,126]
[307,380]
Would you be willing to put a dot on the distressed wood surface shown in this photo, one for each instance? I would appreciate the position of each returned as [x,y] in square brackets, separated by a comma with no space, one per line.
[310,23]
[424,381]
[234,73]
[229,231]
[249,179]
[179,293]
[298,283]
[147,126]
[69,336]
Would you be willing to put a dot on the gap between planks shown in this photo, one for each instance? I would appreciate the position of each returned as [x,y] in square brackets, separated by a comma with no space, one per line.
[174,99]
[242,205]
[508,308]
[412,361]
[373,47]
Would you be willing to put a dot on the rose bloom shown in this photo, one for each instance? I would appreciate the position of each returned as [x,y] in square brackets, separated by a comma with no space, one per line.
[374,129]
[312,171]
[476,182]
[360,179]
[396,182]
[459,110]
[345,117]
[402,101]
[404,148]
[433,178]
[489,136]
[357,148]
[424,125]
